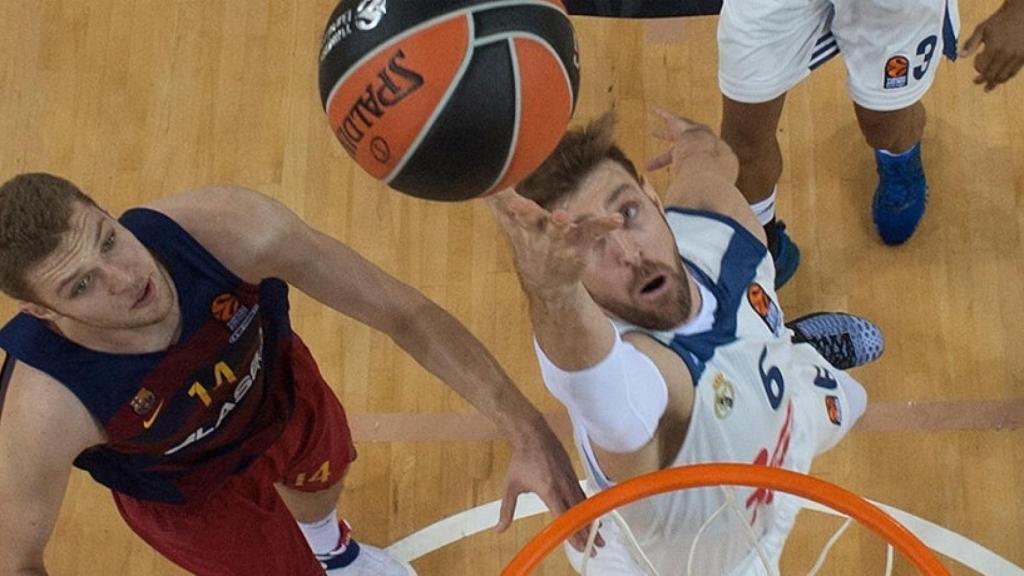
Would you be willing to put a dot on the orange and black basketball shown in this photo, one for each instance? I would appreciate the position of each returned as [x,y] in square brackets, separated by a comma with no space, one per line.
[449,99]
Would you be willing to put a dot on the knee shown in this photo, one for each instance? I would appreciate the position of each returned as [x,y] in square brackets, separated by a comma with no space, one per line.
[895,131]
[750,129]
[750,141]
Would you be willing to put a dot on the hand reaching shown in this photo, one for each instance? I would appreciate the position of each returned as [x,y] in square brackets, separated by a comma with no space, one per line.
[540,465]
[694,148]
[551,248]
[1001,37]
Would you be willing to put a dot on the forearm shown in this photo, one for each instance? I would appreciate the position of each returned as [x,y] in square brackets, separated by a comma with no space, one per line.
[446,348]
[571,328]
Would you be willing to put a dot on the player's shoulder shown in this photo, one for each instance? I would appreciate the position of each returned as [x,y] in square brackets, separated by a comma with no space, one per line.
[673,369]
[36,405]
[207,203]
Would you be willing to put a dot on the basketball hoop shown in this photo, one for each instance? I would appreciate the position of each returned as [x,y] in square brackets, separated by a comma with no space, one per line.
[702,475]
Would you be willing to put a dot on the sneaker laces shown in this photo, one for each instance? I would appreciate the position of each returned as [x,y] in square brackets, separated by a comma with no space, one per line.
[902,174]
[838,349]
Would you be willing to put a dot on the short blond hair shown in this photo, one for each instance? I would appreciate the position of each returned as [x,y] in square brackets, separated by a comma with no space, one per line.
[35,213]
[580,151]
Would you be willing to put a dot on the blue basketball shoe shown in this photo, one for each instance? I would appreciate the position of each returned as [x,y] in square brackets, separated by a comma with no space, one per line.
[783,250]
[901,196]
[845,340]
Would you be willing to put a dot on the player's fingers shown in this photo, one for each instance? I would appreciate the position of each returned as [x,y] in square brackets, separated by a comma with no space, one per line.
[973,42]
[527,214]
[1007,70]
[588,231]
[680,124]
[499,200]
[660,161]
[984,60]
[508,509]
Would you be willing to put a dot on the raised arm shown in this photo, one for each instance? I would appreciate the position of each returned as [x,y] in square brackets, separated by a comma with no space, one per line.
[619,390]
[43,428]
[257,237]
[704,171]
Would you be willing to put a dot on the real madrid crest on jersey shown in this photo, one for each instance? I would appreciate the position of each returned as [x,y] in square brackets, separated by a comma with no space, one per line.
[725,396]
[765,307]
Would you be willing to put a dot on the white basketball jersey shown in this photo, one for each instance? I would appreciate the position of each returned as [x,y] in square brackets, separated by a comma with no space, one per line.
[760,399]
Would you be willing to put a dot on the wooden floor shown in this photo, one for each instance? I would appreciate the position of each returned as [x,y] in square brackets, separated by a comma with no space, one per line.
[136,100]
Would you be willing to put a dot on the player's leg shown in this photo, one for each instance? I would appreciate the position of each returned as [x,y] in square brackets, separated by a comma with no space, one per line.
[242,527]
[892,50]
[314,461]
[765,48]
[750,130]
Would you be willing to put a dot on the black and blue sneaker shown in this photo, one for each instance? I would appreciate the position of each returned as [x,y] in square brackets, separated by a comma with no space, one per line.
[845,340]
[783,250]
[902,194]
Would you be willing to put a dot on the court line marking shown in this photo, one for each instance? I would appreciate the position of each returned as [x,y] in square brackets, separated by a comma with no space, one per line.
[483,517]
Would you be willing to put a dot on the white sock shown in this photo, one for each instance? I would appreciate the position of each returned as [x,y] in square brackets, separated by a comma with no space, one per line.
[323,535]
[898,154]
[765,209]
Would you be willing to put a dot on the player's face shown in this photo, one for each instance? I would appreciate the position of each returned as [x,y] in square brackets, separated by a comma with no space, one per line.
[101,276]
[635,272]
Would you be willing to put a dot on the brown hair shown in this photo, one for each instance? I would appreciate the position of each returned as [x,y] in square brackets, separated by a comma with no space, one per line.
[579,152]
[35,210]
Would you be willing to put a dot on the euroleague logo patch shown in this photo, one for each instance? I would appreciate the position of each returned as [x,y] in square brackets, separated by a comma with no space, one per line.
[224,307]
[765,308]
[835,413]
[897,72]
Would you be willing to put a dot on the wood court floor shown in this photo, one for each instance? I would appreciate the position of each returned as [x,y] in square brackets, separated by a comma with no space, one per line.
[136,100]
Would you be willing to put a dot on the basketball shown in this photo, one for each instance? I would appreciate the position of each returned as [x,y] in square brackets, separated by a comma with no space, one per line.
[449,99]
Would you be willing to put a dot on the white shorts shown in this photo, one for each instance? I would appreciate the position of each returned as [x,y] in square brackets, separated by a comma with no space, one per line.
[892,48]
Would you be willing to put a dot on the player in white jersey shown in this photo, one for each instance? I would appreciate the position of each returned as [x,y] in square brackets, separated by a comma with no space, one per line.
[892,49]
[661,333]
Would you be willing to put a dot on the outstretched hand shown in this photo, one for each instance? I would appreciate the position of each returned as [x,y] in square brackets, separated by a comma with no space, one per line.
[1001,39]
[551,248]
[540,465]
[694,148]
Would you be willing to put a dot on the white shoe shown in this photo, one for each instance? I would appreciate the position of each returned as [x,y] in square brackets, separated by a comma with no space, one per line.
[351,558]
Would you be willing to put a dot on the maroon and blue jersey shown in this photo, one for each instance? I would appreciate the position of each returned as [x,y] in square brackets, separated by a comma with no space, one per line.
[181,421]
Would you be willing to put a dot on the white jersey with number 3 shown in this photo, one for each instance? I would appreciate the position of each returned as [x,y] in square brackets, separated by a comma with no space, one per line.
[759,399]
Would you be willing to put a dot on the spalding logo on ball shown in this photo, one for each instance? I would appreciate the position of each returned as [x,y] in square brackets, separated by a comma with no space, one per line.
[449,99]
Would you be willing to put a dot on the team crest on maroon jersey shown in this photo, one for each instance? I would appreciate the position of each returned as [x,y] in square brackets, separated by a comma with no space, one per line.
[143,402]
[765,307]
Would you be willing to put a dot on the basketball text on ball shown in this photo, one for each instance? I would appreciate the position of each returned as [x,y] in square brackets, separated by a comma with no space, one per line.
[449,99]
[396,82]
[366,17]
[369,13]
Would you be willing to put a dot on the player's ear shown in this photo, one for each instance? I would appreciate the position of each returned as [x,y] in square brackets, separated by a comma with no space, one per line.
[651,193]
[37,310]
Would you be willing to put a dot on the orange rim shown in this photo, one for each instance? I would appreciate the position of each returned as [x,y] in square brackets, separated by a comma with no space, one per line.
[700,475]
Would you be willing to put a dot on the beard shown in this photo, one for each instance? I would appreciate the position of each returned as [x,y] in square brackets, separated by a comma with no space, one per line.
[672,309]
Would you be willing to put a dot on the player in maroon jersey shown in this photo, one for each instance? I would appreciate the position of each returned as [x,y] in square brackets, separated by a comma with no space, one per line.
[155,352]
